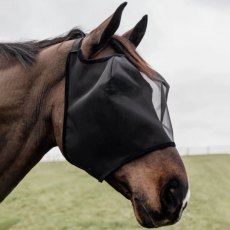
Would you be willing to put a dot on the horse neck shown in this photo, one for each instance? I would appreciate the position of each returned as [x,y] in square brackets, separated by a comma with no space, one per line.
[27,99]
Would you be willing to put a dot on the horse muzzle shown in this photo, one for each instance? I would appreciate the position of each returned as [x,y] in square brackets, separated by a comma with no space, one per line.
[172,204]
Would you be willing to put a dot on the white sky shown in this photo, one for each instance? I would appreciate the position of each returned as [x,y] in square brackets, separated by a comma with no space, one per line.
[187,41]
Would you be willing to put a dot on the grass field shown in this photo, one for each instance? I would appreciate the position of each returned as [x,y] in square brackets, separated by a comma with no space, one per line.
[57,196]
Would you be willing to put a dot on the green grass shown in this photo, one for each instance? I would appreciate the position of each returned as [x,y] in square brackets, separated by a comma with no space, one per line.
[57,196]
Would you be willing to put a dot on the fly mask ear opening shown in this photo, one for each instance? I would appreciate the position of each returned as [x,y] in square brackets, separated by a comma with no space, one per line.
[99,37]
[136,34]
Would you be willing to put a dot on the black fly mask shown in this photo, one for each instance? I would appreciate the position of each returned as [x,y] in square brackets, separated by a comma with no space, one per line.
[113,113]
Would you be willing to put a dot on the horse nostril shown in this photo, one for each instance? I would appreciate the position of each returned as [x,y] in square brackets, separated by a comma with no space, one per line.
[171,200]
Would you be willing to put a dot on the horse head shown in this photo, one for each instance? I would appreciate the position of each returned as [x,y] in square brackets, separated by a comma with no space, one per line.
[156,182]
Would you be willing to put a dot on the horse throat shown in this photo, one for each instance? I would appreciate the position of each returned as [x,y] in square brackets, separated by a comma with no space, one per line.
[30,98]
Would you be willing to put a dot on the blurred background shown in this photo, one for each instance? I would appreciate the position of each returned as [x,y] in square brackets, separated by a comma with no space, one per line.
[188,42]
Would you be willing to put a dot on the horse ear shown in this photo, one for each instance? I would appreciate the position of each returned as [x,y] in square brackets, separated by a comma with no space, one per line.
[136,34]
[98,38]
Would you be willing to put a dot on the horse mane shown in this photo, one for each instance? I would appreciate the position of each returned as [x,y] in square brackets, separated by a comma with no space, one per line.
[26,52]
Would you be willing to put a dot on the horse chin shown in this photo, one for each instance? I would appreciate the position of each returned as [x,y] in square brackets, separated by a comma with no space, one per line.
[147,218]
[142,216]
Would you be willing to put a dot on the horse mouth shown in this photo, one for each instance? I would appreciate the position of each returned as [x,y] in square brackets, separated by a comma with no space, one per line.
[143,216]
[147,218]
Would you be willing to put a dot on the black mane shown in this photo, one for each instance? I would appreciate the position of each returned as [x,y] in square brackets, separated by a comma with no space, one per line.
[25,52]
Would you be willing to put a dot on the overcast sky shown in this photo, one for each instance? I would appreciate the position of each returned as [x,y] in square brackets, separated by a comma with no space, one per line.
[187,41]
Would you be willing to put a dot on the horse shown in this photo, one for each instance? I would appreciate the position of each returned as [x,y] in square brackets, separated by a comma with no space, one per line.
[32,89]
